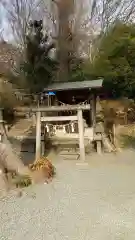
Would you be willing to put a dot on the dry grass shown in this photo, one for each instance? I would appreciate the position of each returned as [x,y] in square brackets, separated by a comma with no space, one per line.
[22,181]
[122,114]
[42,170]
[126,136]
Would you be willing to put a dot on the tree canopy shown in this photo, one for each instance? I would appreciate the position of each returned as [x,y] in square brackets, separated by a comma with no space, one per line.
[115,60]
[38,67]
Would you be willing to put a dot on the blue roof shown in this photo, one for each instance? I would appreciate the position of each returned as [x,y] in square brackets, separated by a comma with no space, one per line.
[50,94]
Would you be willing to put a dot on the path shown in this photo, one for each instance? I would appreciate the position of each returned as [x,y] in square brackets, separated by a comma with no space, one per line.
[94,202]
[19,133]
[20,128]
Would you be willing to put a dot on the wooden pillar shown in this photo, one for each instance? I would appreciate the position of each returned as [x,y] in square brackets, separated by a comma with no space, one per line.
[38,136]
[115,139]
[1,115]
[49,100]
[81,135]
[33,119]
[1,125]
[43,146]
[99,147]
[93,110]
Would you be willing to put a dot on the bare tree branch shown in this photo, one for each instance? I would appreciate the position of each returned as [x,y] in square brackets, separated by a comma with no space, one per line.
[103,14]
[19,13]
[84,19]
[1,28]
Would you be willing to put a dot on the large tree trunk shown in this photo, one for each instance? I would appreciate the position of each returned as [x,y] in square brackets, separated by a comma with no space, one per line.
[4,185]
[9,158]
[65,10]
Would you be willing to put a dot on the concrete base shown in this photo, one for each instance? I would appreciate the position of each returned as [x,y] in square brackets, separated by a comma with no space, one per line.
[82,163]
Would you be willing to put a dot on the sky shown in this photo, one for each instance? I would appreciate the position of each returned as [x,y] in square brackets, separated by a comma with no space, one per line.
[6,31]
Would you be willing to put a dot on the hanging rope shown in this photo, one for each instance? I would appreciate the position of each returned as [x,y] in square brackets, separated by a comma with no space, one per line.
[81,103]
[60,126]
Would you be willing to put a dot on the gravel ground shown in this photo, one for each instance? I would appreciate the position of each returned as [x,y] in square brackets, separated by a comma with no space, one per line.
[90,202]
